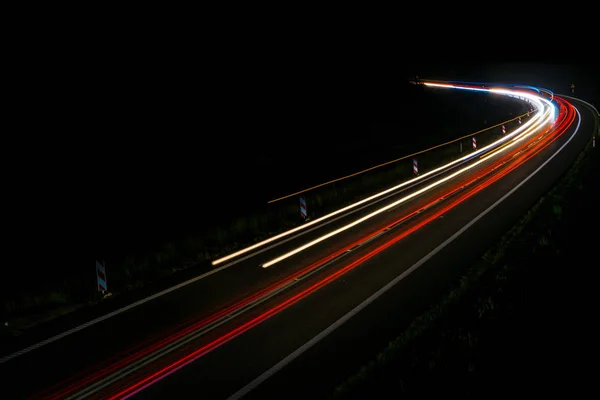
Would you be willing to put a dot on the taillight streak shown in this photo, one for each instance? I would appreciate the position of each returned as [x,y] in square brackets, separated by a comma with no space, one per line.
[521,158]
[232,308]
[264,291]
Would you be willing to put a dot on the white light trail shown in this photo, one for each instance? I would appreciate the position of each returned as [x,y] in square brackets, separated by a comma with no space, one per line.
[524,131]
[534,99]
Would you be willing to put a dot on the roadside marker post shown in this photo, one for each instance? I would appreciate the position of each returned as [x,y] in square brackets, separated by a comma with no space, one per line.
[303,207]
[101,277]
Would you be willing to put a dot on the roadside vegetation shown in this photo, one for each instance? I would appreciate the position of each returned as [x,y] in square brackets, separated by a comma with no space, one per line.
[520,321]
[184,256]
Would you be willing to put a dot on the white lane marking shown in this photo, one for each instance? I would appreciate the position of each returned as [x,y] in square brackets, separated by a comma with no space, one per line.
[281,364]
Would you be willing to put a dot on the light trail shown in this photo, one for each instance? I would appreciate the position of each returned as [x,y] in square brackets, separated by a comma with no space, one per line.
[527,131]
[97,373]
[533,98]
[100,371]
[395,160]
[164,371]
[354,311]
[190,330]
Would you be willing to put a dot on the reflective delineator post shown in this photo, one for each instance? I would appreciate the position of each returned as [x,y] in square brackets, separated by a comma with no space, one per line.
[415,167]
[474,143]
[101,277]
[303,207]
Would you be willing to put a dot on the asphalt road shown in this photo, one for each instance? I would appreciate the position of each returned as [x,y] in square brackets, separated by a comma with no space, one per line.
[121,334]
[316,371]
[228,368]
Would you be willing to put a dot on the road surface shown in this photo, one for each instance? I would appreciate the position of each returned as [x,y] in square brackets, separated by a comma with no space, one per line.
[197,317]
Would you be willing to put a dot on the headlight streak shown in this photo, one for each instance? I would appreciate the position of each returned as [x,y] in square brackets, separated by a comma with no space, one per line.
[129,391]
[98,372]
[139,385]
[487,84]
[397,159]
[549,116]
[533,98]
[132,357]
[526,132]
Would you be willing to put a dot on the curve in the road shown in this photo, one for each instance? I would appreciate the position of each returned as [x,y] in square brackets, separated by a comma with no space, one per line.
[173,367]
[279,239]
[180,363]
[269,293]
[263,377]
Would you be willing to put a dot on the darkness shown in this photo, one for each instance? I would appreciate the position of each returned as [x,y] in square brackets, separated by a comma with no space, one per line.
[198,146]
[190,145]
[188,151]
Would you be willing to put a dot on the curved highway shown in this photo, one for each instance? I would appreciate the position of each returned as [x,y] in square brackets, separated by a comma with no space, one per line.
[293,316]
